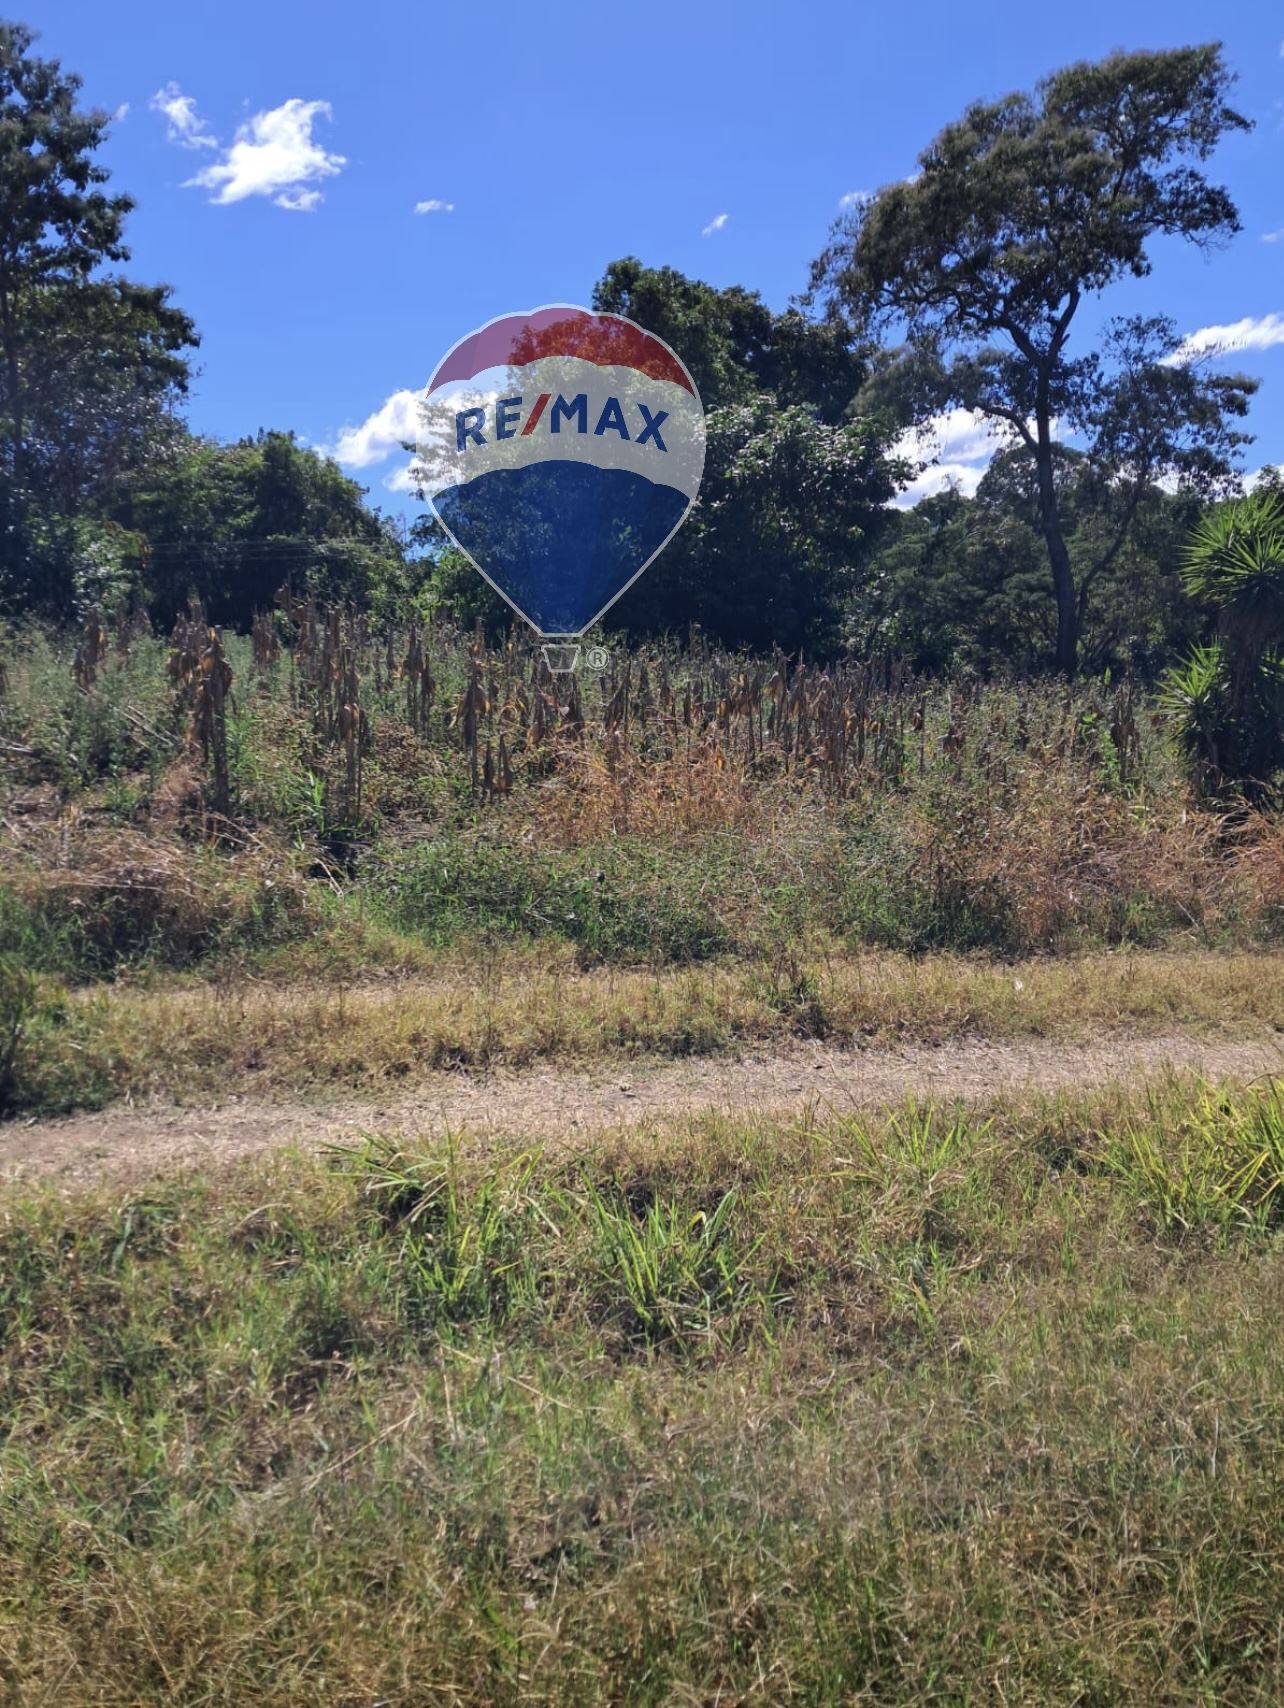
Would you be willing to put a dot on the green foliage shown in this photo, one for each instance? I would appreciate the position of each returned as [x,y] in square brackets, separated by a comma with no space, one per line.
[1196,693]
[461,1246]
[232,524]
[680,1270]
[239,1463]
[774,551]
[1022,209]
[793,489]
[17,1003]
[960,585]
[734,346]
[126,722]
[642,903]
[1219,1166]
[1228,698]
[1235,561]
[91,365]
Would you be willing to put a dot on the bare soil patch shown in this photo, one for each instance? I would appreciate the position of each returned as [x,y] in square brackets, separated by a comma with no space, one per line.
[555,1106]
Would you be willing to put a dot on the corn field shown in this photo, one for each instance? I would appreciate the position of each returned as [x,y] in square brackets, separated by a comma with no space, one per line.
[840,726]
[498,710]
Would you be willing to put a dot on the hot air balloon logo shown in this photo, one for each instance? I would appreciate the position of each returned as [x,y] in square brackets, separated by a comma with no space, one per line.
[561,450]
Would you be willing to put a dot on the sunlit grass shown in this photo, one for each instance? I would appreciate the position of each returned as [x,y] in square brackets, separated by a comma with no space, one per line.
[938,1407]
[514,1008]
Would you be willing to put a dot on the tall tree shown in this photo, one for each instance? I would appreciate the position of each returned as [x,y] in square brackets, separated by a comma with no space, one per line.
[231,523]
[961,584]
[794,481]
[1023,209]
[789,511]
[89,364]
[733,344]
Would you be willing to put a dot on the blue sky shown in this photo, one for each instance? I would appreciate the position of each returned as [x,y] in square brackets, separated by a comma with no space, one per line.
[714,137]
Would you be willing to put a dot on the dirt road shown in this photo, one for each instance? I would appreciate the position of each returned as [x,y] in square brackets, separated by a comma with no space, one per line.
[559,1105]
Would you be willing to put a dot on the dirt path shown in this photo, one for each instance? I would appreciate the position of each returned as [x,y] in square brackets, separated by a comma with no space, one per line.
[555,1104]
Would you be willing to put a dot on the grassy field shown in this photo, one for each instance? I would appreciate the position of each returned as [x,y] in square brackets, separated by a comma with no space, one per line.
[956,1403]
[959,1405]
[202,1041]
[385,854]
[352,805]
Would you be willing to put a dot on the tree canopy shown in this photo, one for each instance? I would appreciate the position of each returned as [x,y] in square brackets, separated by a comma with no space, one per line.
[91,366]
[230,524]
[1019,211]
[732,343]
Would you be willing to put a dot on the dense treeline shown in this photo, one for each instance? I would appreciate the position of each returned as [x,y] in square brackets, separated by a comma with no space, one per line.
[954,289]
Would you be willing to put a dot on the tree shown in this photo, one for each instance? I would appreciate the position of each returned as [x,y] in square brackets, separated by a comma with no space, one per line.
[789,510]
[1023,209]
[231,523]
[89,364]
[794,483]
[732,343]
[104,373]
[961,584]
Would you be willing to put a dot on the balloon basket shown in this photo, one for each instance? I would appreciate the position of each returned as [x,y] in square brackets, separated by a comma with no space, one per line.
[561,657]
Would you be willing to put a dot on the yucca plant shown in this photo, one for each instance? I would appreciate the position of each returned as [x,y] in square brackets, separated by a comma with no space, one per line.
[1235,561]
[1228,698]
[1196,693]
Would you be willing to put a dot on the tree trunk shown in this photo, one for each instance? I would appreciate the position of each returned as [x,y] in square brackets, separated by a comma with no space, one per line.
[1058,555]
[14,498]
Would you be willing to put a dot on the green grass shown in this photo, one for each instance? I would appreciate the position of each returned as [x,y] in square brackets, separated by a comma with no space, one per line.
[947,1407]
[311,1030]
[668,831]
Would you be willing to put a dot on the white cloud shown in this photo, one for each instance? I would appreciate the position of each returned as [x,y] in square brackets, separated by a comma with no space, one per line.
[402,479]
[1259,475]
[1273,236]
[387,430]
[715,224]
[938,478]
[122,112]
[855,198]
[957,445]
[298,201]
[434,206]
[184,125]
[1259,333]
[274,155]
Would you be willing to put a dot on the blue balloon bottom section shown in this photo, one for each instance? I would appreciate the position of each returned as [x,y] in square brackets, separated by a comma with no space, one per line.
[561,540]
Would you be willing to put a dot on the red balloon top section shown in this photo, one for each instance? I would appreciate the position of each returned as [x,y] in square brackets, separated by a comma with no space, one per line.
[515,339]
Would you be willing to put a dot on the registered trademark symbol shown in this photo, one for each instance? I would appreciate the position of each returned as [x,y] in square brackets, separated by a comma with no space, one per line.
[596,657]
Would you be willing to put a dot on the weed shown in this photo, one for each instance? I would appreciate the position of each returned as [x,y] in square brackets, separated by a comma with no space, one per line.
[460,1251]
[17,1003]
[305,1432]
[679,1269]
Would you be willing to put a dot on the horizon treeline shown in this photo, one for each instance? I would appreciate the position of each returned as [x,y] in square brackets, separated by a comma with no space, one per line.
[955,289]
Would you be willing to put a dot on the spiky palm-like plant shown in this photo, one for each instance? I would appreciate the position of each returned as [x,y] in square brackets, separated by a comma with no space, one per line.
[1229,697]
[1235,560]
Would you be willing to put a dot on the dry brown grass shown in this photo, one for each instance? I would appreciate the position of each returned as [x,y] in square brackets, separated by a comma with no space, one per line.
[594,793]
[106,893]
[207,1041]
